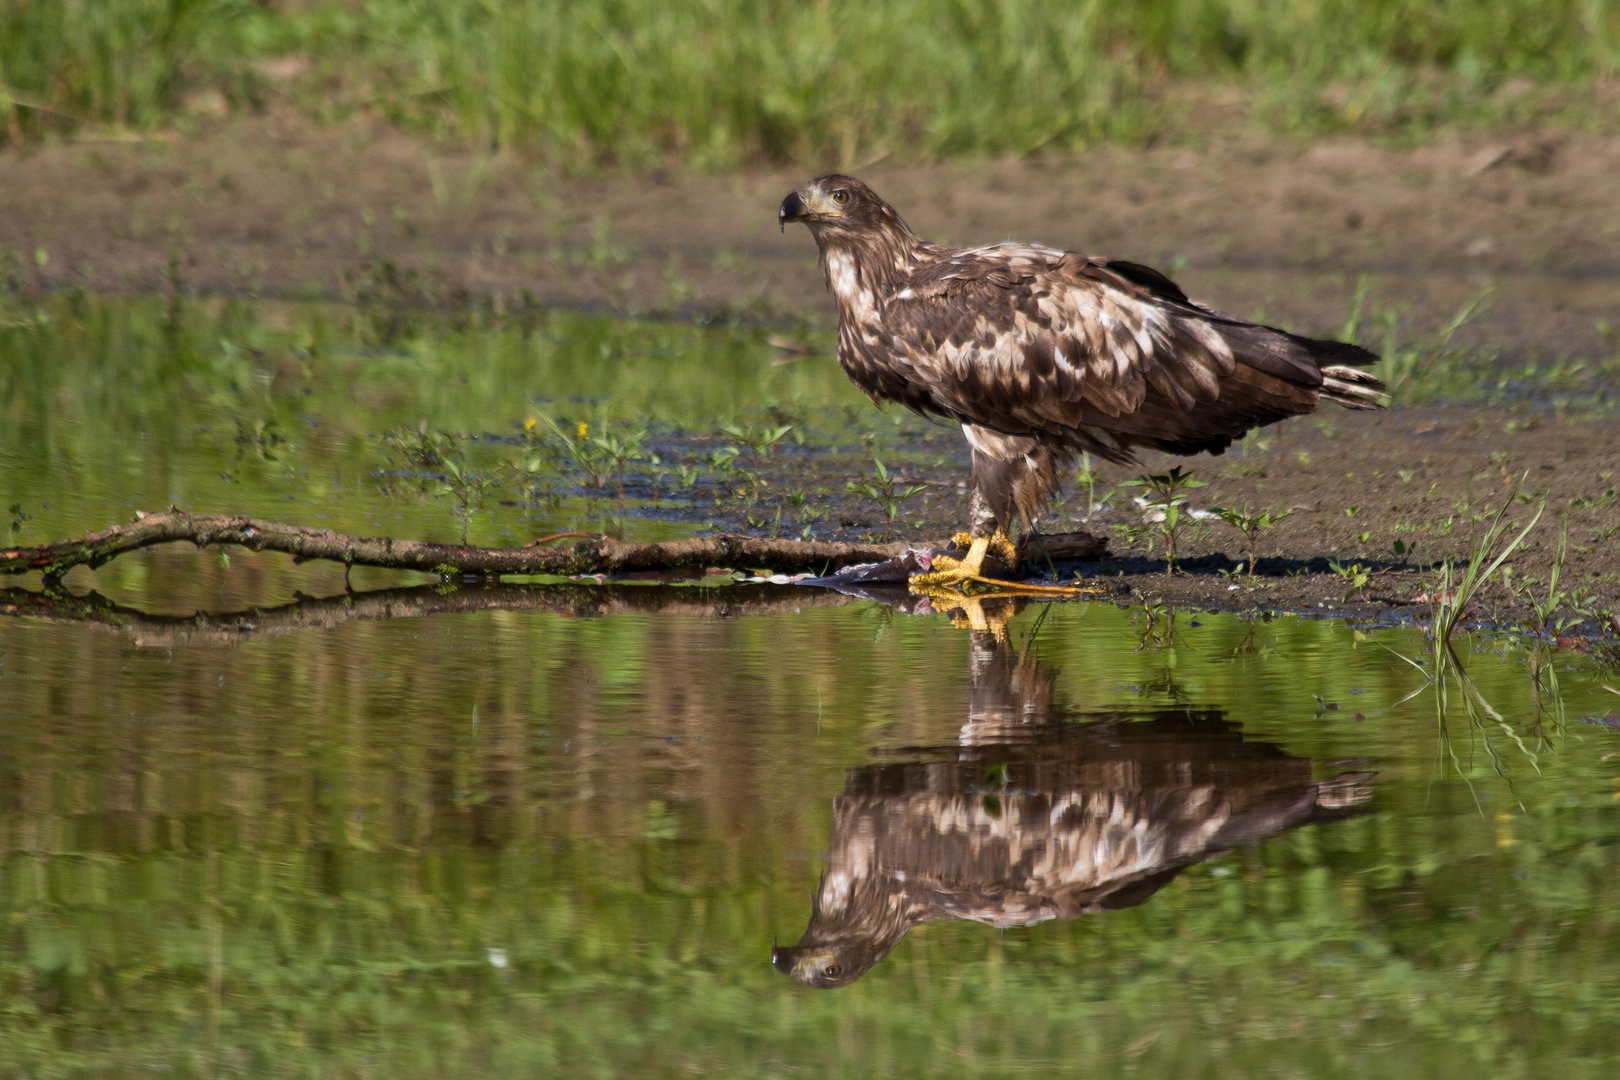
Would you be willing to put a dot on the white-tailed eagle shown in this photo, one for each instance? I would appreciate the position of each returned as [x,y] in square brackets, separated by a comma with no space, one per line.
[1040,354]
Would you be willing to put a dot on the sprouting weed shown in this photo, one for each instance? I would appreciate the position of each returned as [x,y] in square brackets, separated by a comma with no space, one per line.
[723,463]
[1251,524]
[1554,598]
[1166,505]
[619,449]
[1087,478]
[417,447]
[1357,575]
[888,491]
[604,454]
[466,485]
[1401,366]
[1593,503]
[754,446]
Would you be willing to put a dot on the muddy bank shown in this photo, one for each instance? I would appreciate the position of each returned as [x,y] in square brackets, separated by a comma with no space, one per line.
[1394,494]
[274,206]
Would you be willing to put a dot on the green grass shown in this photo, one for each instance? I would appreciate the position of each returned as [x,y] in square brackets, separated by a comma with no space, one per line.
[727,81]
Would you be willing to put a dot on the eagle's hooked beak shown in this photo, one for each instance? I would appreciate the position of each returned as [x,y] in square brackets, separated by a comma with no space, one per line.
[792,209]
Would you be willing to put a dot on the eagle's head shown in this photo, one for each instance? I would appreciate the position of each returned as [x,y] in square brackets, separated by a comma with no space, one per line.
[826,965]
[840,208]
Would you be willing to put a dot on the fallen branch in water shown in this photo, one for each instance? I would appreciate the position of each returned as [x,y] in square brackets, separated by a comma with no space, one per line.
[598,556]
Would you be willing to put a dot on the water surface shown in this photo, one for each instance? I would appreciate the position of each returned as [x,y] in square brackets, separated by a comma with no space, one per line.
[555,829]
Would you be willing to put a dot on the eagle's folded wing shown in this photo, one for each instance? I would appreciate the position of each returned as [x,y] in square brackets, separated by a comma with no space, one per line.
[1029,340]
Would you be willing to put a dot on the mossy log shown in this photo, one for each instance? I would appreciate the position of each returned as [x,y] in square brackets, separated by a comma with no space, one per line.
[588,556]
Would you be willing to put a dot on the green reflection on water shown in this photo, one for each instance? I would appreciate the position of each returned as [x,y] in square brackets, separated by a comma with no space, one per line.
[114,405]
[310,853]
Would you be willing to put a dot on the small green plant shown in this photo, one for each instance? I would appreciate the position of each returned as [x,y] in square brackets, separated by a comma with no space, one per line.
[535,478]
[1554,598]
[1251,524]
[1166,505]
[414,460]
[1357,575]
[619,449]
[586,452]
[467,486]
[754,445]
[1087,478]
[417,447]
[1593,503]
[1402,367]
[888,491]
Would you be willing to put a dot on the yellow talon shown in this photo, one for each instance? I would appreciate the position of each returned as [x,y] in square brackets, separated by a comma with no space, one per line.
[949,576]
[1006,549]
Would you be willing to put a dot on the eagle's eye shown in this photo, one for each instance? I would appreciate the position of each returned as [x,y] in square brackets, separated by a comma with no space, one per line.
[831,970]
[840,196]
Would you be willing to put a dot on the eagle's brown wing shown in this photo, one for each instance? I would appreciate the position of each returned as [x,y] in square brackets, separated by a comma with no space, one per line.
[1100,355]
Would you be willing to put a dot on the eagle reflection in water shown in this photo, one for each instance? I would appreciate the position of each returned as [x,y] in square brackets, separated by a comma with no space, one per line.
[1041,813]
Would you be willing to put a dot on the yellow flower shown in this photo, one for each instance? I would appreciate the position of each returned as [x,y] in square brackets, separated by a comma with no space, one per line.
[528,425]
[584,429]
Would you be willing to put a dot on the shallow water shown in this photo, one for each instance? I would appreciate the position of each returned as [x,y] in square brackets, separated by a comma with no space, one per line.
[554,829]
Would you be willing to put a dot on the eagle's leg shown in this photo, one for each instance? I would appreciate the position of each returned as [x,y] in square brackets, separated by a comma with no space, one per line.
[948,576]
[1001,546]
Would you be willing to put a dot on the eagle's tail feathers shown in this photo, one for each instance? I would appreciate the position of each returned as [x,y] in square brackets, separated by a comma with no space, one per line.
[1327,351]
[1352,388]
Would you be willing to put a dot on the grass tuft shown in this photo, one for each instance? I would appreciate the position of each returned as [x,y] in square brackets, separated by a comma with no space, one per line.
[1457,591]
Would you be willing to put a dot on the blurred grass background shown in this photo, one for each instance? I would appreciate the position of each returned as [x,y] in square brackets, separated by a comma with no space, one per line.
[717,83]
